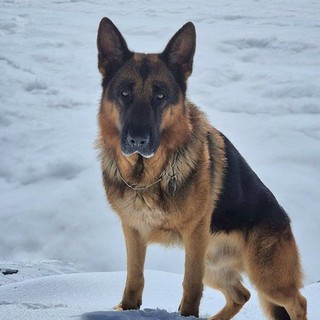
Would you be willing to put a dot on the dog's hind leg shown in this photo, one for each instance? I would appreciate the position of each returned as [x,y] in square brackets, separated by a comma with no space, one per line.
[228,281]
[223,266]
[222,272]
[273,266]
[292,309]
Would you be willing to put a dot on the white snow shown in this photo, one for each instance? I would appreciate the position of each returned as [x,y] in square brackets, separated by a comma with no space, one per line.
[92,296]
[256,75]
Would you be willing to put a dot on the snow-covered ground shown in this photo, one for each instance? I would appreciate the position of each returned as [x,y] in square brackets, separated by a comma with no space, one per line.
[256,75]
[91,296]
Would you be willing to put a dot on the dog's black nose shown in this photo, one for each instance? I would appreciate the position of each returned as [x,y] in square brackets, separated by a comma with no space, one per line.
[138,141]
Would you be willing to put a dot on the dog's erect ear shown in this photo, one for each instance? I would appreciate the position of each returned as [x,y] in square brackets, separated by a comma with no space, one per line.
[112,48]
[180,50]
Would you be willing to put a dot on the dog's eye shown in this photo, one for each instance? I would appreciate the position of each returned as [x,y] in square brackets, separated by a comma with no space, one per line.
[125,93]
[160,96]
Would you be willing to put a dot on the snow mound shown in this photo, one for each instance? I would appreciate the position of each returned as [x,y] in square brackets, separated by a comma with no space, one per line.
[91,296]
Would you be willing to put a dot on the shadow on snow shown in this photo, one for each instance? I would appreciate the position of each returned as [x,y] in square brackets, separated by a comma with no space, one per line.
[154,314]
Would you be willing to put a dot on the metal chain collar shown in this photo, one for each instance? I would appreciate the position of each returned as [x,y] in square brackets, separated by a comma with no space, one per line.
[165,173]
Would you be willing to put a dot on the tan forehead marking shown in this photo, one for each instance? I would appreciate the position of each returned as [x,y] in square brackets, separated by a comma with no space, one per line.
[152,57]
[137,57]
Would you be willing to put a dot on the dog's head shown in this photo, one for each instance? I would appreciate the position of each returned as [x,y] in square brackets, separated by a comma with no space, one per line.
[142,91]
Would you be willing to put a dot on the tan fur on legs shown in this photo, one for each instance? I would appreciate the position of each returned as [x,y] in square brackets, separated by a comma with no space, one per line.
[228,281]
[195,240]
[294,308]
[222,272]
[297,307]
[136,251]
[273,266]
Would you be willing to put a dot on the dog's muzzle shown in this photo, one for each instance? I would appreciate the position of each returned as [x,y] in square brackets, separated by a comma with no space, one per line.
[138,142]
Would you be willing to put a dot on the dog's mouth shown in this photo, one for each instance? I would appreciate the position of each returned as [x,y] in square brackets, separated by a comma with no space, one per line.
[145,155]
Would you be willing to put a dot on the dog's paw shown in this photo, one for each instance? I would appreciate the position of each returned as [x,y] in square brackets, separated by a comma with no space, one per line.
[128,305]
[118,307]
[188,310]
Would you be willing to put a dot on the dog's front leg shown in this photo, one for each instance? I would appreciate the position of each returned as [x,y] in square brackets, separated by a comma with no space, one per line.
[136,252]
[195,243]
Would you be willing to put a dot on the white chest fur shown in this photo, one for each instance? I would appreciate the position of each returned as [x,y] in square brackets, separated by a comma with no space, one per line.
[141,212]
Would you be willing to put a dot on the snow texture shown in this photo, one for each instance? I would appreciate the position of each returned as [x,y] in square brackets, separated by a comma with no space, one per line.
[91,296]
[256,75]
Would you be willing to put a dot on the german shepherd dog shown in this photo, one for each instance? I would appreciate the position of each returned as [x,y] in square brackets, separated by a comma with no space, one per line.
[174,179]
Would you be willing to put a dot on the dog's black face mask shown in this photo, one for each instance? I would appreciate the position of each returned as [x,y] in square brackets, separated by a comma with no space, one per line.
[141,104]
[140,132]
[142,86]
